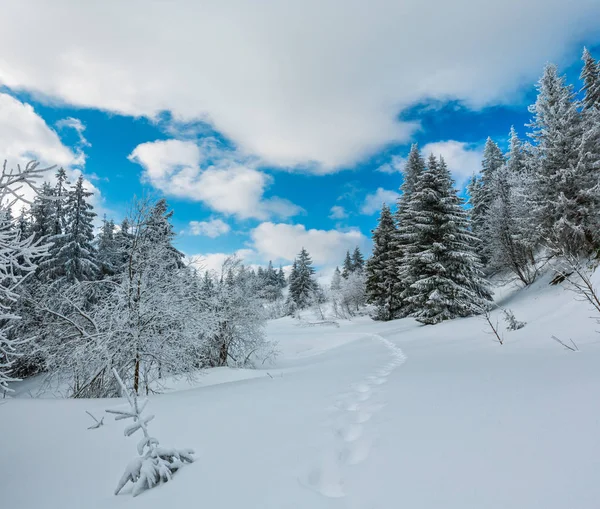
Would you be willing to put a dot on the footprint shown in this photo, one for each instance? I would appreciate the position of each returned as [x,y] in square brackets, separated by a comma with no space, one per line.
[364,396]
[351,433]
[362,388]
[363,417]
[327,479]
[359,452]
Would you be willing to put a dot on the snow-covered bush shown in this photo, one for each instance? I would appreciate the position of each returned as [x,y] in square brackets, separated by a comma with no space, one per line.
[154,464]
[512,322]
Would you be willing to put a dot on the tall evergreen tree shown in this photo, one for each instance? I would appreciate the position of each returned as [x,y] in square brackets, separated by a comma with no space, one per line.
[336,280]
[42,213]
[440,258]
[590,75]
[382,276]
[566,176]
[107,248]
[59,197]
[73,256]
[358,261]
[415,165]
[348,267]
[303,286]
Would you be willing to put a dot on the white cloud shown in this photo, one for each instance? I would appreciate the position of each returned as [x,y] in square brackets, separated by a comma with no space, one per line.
[374,201]
[338,212]
[395,165]
[212,228]
[291,82]
[78,126]
[462,158]
[24,136]
[222,179]
[282,242]
[214,261]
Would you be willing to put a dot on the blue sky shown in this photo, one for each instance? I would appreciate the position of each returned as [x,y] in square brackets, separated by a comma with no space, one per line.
[265,141]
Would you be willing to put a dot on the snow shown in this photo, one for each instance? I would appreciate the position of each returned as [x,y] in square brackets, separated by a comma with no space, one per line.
[365,415]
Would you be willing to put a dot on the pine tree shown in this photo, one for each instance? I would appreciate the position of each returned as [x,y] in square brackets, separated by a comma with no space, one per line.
[73,256]
[590,75]
[336,280]
[348,267]
[508,231]
[440,259]
[42,213]
[303,285]
[415,165]
[107,248]
[160,231]
[566,176]
[59,197]
[358,261]
[382,276]
[281,278]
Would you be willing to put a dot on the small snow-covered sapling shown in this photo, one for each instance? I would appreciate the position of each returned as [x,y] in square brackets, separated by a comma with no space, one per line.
[154,464]
[511,321]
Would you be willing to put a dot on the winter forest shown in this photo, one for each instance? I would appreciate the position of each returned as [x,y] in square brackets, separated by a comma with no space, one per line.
[105,307]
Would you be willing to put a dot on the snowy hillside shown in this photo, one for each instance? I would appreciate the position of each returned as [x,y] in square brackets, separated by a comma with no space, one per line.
[364,415]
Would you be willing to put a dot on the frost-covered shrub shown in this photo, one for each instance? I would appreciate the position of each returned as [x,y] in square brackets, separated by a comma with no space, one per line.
[154,464]
[511,321]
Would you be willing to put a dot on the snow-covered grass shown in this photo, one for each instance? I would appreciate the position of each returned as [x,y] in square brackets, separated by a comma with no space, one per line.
[364,415]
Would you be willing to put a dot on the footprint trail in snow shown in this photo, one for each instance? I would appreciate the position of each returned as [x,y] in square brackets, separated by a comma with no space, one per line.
[351,443]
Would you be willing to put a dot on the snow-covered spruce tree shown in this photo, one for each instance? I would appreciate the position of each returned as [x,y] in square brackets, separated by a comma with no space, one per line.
[482,194]
[42,218]
[566,176]
[18,256]
[302,285]
[281,278]
[107,248]
[590,76]
[73,255]
[348,266]
[382,282]
[269,284]
[336,280]
[415,165]
[441,259]
[358,261]
[154,464]
[508,231]
[59,197]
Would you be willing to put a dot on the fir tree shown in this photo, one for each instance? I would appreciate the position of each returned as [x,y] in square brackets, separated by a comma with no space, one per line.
[42,213]
[348,266]
[302,284]
[336,280]
[107,248]
[590,75]
[566,176]
[415,165]
[281,278]
[59,197]
[442,266]
[358,261]
[382,276]
[73,256]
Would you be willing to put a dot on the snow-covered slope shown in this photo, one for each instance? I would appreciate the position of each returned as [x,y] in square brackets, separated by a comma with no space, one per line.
[364,415]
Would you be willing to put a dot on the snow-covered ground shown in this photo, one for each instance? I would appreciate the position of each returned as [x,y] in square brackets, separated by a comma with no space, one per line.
[365,415]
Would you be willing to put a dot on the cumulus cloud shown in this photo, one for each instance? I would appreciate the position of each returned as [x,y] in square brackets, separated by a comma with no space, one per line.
[215,261]
[78,126]
[282,242]
[291,82]
[463,159]
[24,136]
[395,165]
[212,228]
[221,178]
[374,201]
[338,212]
